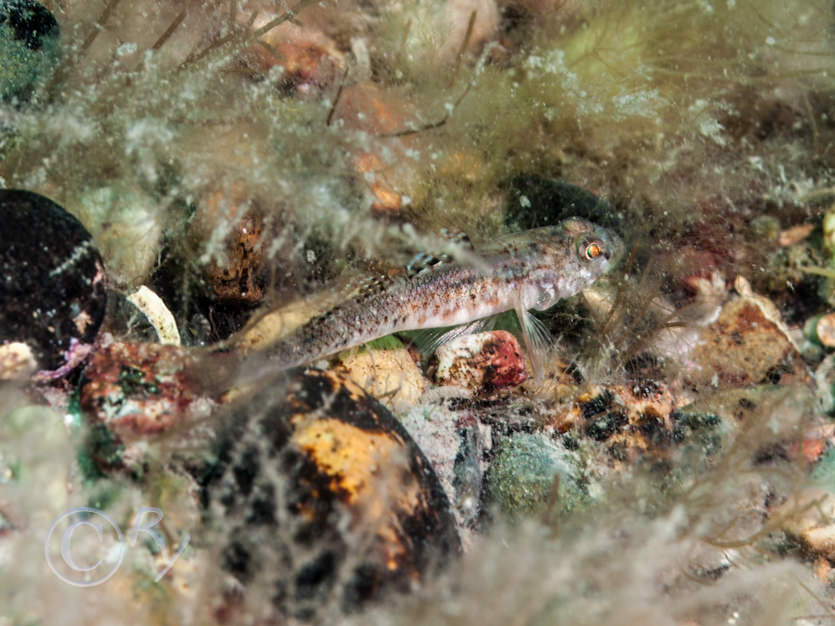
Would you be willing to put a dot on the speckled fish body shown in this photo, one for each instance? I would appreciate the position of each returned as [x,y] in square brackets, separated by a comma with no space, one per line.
[528,270]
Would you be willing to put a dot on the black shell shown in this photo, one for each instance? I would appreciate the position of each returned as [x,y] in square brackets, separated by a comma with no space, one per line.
[52,284]
[324,496]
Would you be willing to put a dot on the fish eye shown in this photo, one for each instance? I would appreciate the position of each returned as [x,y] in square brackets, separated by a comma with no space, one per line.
[592,249]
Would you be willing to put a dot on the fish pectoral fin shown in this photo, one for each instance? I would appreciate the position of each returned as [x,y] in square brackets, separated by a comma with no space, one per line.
[537,340]
[430,339]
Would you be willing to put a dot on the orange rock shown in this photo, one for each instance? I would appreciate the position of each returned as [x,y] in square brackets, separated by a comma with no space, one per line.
[365,106]
[387,201]
[795,234]
[368,108]
[745,346]
[634,417]
[309,58]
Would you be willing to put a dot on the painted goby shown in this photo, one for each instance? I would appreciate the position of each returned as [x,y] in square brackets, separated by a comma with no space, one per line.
[532,269]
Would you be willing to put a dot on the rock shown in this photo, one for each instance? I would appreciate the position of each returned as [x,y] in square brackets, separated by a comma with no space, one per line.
[534,201]
[320,494]
[236,270]
[747,344]
[525,472]
[810,517]
[138,390]
[16,361]
[36,466]
[52,295]
[436,33]
[126,225]
[386,165]
[454,443]
[765,228]
[242,276]
[480,362]
[824,472]
[303,59]
[28,47]
[760,402]
[794,235]
[628,419]
[821,329]
[390,374]
[704,429]
[468,471]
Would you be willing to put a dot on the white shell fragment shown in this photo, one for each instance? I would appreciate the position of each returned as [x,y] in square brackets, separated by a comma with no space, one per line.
[157,313]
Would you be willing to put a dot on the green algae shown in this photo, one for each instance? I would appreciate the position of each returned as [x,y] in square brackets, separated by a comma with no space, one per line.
[25,65]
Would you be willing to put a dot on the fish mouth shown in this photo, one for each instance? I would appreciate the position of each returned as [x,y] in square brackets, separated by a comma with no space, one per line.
[614,246]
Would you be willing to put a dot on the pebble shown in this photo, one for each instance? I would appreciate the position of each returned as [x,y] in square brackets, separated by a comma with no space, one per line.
[533,201]
[747,344]
[138,389]
[526,471]
[16,361]
[127,226]
[28,47]
[810,518]
[480,362]
[134,395]
[704,430]
[454,442]
[36,465]
[241,276]
[389,374]
[140,405]
[52,294]
[821,329]
[323,496]
[627,419]
[303,57]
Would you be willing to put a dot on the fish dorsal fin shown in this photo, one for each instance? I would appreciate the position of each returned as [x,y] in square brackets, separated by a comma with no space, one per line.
[457,237]
[357,286]
[424,262]
[370,286]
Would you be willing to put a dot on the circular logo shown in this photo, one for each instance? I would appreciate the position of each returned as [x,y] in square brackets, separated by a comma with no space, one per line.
[84,547]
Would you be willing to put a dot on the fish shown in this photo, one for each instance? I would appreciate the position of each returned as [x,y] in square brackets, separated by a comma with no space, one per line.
[524,271]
